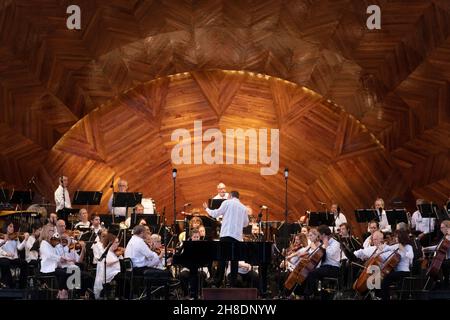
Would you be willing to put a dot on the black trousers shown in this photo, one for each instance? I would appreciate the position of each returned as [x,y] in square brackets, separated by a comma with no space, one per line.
[190,281]
[446,272]
[5,267]
[393,277]
[314,276]
[61,277]
[222,264]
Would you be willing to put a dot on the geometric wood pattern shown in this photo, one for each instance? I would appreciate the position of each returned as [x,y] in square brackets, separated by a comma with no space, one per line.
[62,91]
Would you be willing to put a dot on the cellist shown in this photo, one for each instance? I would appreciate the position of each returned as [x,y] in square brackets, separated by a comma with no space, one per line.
[445,267]
[329,266]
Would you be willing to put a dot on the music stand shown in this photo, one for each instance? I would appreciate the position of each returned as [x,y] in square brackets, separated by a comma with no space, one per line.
[366,215]
[215,203]
[150,219]
[22,197]
[87,198]
[396,216]
[4,196]
[66,212]
[319,218]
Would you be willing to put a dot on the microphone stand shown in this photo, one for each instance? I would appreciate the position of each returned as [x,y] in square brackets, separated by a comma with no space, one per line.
[174,177]
[165,237]
[112,203]
[286,176]
[267,225]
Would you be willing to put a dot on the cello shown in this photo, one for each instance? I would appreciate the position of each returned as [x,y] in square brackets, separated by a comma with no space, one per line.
[386,267]
[304,267]
[439,257]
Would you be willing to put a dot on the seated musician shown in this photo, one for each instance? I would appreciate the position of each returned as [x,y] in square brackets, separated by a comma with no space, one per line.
[372,227]
[52,218]
[202,232]
[247,275]
[338,216]
[97,247]
[404,248]
[189,275]
[9,257]
[297,249]
[257,234]
[51,260]
[345,235]
[96,225]
[84,223]
[31,244]
[112,266]
[139,252]
[194,223]
[445,267]
[376,246]
[60,227]
[423,227]
[138,209]
[330,264]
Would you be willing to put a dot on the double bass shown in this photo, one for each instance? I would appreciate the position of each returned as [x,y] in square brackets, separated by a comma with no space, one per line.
[304,267]
[439,257]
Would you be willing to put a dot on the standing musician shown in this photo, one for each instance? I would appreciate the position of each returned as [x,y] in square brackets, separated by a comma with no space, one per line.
[9,256]
[423,227]
[338,217]
[112,265]
[329,266]
[62,197]
[445,267]
[235,218]
[118,211]
[221,192]
[384,225]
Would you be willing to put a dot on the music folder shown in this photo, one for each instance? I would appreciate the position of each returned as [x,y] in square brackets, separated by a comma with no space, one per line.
[87,198]
[215,203]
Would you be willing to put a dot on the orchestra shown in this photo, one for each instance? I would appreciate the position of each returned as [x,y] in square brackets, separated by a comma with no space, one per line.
[420,245]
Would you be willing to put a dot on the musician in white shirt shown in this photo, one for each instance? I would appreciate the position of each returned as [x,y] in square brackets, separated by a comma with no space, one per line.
[382,218]
[139,252]
[330,264]
[423,226]
[51,260]
[62,197]
[31,256]
[60,227]
[235,218]
[221,192]
[112,266]
[445,267]
[405,250]
[9,256]
[372,227]
[84,222]
[339,217]
[118,211]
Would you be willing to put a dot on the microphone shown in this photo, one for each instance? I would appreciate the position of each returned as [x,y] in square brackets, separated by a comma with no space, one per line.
[112,181]
[31,181]
[174,173]
[263,207]
[187,204]
[286,172]
[322,203]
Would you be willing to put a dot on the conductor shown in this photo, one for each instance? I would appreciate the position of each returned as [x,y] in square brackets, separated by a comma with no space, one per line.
[235,218]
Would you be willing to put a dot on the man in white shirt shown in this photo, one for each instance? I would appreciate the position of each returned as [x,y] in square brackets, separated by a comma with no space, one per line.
[372,227]
[62,197]
[139,252]
[339,218]
[382,217]
[118,211]
[423,226]
[235,218]
[330,264]
[221,192]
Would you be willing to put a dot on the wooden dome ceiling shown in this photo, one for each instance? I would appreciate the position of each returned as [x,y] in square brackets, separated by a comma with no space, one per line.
[84,101]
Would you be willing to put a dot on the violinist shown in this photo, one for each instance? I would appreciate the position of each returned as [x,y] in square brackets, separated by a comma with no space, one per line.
[51,260]
[445,267]
[423,227]
[97,247]
[405,250]
[139,252]
[9,257]
[30,244]
[330,264]
[112,266]
[295,251]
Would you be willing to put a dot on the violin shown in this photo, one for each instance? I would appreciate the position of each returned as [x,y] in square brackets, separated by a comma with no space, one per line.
[13,236]
[120,251]
[54,241]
